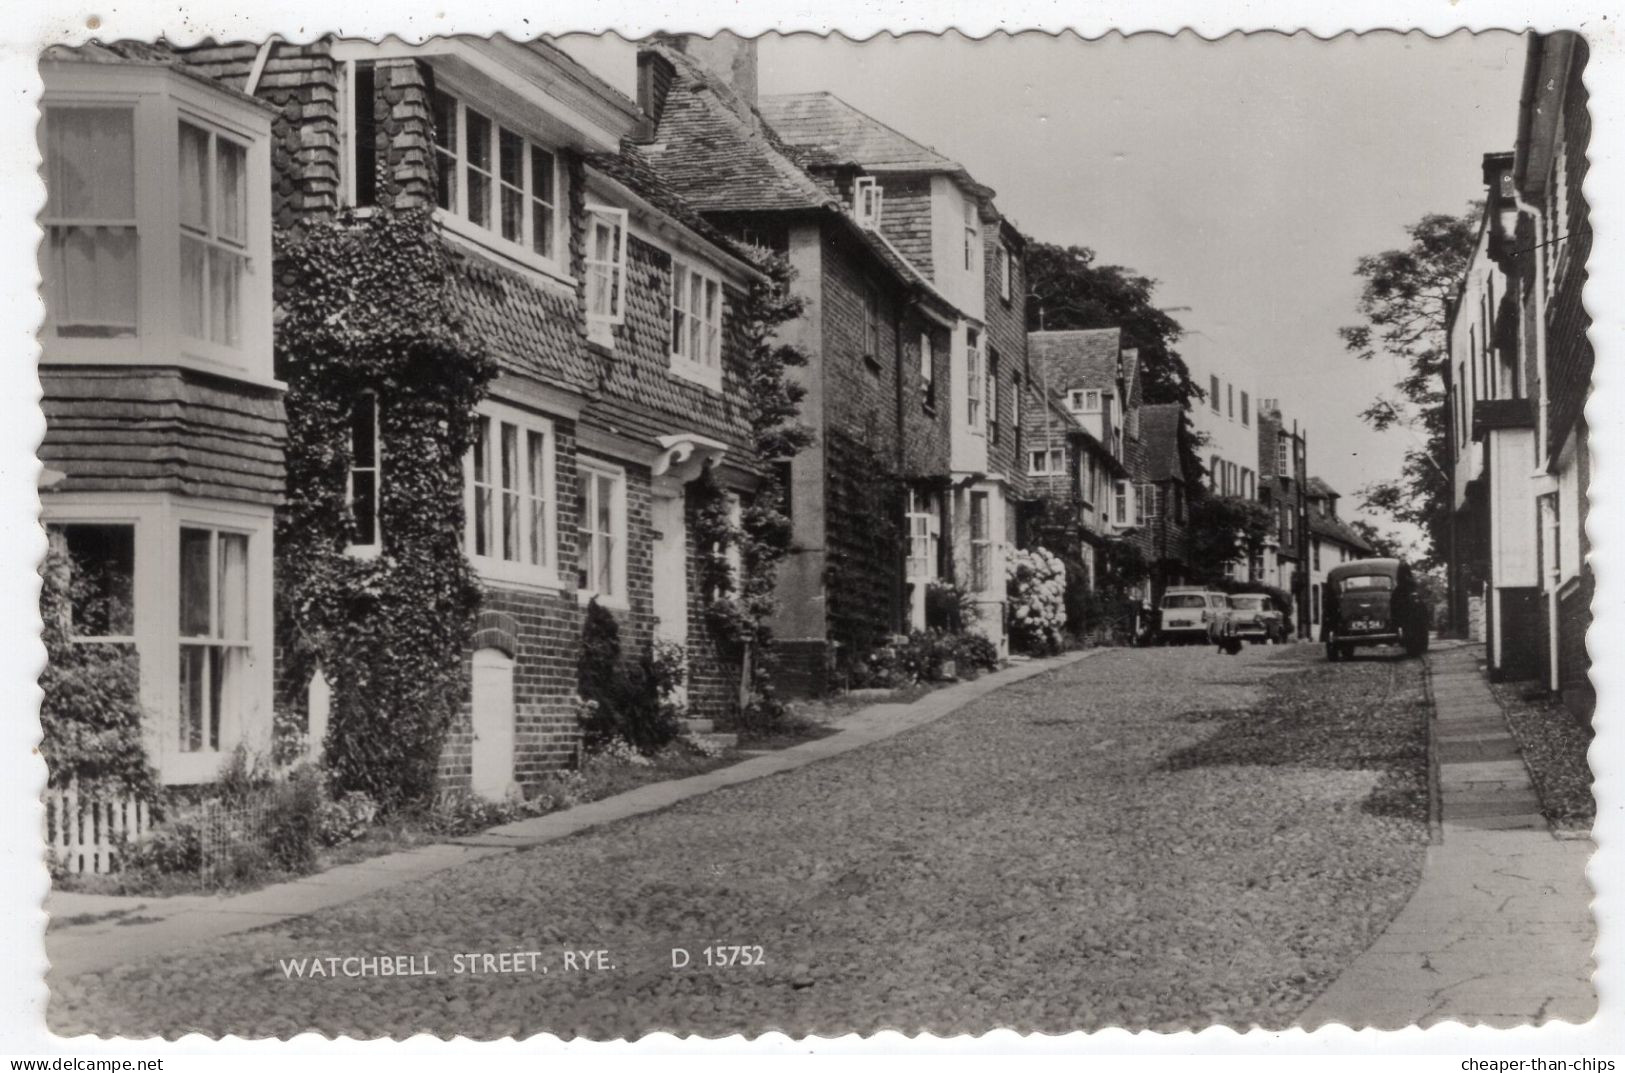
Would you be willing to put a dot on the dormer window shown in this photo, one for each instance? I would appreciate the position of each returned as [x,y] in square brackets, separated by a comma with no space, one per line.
[1084,401]
[867,197]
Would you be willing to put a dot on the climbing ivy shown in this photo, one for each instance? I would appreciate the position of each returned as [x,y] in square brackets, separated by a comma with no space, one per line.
[367,306]
[739,611]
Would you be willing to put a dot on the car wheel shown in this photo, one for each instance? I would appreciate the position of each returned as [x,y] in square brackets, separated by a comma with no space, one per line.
[1334,651]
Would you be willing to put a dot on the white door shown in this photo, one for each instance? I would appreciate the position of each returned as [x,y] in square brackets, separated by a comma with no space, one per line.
[493,719]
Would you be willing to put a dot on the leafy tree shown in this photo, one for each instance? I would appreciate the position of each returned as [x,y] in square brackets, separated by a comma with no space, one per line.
[1384,544]
[1069,290]
[1404,301]
[1226,529]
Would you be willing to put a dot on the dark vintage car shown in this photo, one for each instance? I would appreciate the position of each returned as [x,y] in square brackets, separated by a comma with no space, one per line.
[1373,602]
[1249,617]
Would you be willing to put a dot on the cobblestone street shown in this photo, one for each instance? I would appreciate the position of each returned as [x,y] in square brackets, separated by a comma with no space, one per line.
[1159,838]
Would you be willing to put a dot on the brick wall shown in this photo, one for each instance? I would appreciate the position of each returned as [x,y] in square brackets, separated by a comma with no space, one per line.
[713,674]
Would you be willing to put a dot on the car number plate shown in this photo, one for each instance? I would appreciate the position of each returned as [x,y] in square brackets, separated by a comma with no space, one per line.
[1365,625]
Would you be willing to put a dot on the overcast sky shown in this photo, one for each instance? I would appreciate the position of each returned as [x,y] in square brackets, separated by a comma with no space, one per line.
[1247,175]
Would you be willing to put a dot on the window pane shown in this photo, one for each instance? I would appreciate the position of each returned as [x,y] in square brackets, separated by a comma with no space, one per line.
[510,497]
[194,178]
[364,432]
[544,201]
[606,556]
[584,552]
[511,148]
[90,170]
[225,297]
[541,175]
[479,167]
[194,582]
[537,473]
[194,691]
[364,506]
[606,494]
[95,292]
[194,256]
[445,157]
[231,187]
[233,586]
[101,578]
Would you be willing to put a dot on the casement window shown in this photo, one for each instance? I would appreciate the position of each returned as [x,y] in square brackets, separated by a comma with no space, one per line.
[366,471]
[1003,269]
[1084,401]
[696,324]
[1213,397]
[606,269]
[981,543]
[1089,479]
[100,561]
[1122,502]
[1048,463]
[1230,395]
[1246,410]
[157,221]
[867,199]
[992,395]
[495,179]
[928,372]
[1146,496]
[975,377]
[601,540]
[973,236]
[1283,460]
[510,513]
[214,643]
[924,535]
[871,323]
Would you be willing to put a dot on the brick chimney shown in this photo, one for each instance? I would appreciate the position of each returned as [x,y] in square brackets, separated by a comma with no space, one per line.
[729,57]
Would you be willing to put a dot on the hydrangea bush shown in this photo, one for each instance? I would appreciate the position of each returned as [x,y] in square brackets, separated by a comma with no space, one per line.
[1035,586]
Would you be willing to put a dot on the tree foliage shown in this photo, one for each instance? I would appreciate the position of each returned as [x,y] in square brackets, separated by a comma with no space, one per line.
[1404,302]
[368,307]
[1068,290]
[1226,529]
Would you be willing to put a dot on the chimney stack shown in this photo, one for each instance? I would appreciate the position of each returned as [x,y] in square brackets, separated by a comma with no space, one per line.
[729,57]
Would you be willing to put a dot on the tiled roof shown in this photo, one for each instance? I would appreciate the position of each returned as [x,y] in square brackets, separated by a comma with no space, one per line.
[530,327]
[829,129]
[1336,529]
[716,151]
[1074,359]
[1317,487]
[1159,435]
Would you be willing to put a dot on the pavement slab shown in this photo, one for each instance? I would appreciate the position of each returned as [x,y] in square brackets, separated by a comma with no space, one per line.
[1500,930]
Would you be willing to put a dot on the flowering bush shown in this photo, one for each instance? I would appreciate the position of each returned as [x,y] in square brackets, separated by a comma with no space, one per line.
[1035,585]
[346,819]
[617,752]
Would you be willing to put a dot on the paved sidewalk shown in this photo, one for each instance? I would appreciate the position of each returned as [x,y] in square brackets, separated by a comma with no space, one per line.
[1500,930]
[124,930]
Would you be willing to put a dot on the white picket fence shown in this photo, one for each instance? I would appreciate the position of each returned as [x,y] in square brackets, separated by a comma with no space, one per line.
[85,834]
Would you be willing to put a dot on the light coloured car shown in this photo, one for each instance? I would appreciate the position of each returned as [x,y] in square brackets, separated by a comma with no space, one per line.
[1251,617]
[1185,613]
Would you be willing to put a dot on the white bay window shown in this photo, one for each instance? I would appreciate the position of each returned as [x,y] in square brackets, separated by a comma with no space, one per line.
[157,221]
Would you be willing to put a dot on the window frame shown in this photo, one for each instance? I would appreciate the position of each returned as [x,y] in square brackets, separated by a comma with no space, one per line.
[975,382]
[158,99]
[600,326]
[689,367]
[1002,252]
[456,216]
[598,468]
[871,323]
[868,201]
[1213,393]
[1246,410]
[1046,468]
[991,365]
[981,541]
[923,532]
[368,548]
[928,371]
[498,567]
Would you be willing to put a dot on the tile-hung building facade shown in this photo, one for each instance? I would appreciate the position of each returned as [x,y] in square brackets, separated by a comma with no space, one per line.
[607,303]
[164,423]
[899,382]
[1162,493]
[1519,375]
[1281,488]
[945,224]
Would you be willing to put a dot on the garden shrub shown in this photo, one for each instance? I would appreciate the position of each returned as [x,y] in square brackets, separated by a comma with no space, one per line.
[975,652]
[1076,597]
[345,819]
[91,713]
[1035,589]
[948,607]
[292,819]
[622,701]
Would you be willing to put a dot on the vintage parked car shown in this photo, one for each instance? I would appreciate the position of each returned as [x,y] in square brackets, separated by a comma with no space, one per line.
[1250,616]
[1186,612]
[1373,602]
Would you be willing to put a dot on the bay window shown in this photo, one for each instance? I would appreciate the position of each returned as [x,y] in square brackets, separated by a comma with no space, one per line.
[924,526]
[1122,498]
[601,528]
[696,324]
[100,562]
[509,515]
[214,642]
[494,178]
[157,221]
